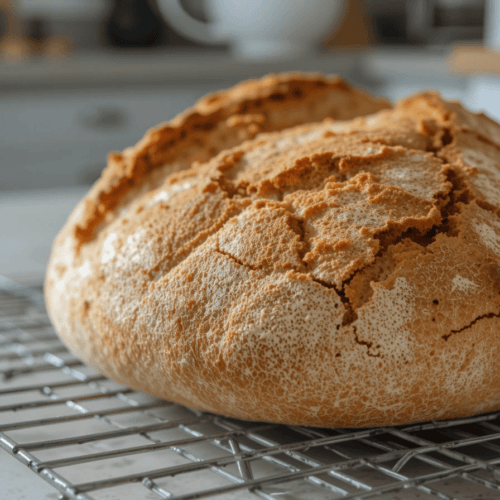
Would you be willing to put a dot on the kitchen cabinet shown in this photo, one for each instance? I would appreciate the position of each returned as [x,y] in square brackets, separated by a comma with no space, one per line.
[53,139]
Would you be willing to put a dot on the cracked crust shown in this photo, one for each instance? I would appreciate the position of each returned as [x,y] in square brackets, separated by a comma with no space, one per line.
[217,122]
[342,273]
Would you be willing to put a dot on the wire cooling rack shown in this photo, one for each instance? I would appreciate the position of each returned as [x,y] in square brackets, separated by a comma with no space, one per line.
[91,438]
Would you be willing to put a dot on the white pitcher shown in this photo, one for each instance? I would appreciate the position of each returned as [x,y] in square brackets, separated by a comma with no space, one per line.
[260,29]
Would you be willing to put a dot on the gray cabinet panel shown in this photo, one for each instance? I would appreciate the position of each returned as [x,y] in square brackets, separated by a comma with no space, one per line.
[60,138]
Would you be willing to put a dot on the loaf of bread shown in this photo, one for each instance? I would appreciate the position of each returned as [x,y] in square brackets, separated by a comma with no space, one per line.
[293,250]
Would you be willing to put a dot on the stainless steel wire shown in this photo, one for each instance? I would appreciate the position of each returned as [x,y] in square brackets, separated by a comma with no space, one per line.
[91,438]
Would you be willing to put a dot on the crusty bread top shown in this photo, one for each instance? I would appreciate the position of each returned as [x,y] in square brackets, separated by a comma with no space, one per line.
[338,273]
[220,121]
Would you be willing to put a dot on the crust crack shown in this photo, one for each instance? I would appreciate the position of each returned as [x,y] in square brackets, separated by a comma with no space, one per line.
[296,224]
[368,345]
[238,261]
[187,249]
[471,324]
[350,314]
[448,203]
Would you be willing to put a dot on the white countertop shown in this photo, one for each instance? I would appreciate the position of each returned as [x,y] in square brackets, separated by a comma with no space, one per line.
[29,222]
[155,67]
[162,67]
[20,483]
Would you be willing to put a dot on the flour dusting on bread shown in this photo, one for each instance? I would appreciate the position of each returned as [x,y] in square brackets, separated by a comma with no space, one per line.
[293,250]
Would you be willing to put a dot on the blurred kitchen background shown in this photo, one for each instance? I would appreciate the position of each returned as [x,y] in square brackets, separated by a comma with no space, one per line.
[79,78]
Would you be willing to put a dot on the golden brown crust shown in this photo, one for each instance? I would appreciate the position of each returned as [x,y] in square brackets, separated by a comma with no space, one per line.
[330,274]
[220,121]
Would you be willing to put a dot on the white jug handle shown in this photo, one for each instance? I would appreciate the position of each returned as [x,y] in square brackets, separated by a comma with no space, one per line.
[187,25]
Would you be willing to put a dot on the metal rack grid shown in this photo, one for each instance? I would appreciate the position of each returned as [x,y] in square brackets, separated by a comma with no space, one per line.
[91,438]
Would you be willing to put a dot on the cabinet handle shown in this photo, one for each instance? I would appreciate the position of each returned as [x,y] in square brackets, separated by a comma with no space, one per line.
[103,118]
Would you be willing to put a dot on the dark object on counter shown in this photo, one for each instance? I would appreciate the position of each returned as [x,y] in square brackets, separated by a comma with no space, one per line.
[36,33]
[134,23]
[426,21]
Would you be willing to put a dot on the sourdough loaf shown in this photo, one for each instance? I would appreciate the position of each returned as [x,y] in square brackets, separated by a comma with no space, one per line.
[273,255]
